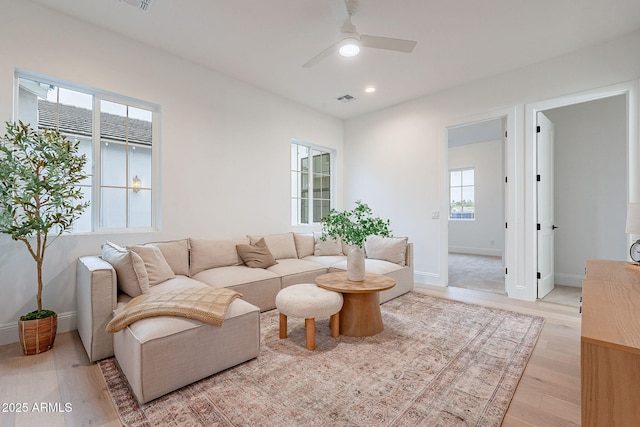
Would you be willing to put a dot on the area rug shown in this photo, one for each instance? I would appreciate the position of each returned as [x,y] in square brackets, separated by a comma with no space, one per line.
[437,363]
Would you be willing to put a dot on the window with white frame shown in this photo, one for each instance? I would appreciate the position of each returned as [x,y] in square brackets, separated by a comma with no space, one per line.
[116,133]
[311,182]
[462,194]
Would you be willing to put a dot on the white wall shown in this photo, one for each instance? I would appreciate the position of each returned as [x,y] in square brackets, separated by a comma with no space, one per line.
[590,185]
[225,146]
[485,234]
[395,157]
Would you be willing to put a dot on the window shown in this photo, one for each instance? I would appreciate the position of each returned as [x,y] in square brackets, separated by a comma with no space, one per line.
[116,134]
[462,194]
[311,184]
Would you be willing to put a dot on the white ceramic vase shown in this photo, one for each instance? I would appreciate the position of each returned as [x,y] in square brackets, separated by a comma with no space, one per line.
[355,264]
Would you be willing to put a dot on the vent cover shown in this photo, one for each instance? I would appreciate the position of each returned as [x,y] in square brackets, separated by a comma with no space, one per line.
[143,5]
[346,98]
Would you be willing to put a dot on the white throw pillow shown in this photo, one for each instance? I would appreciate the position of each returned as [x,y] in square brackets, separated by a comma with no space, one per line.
[158,270]
[132,274]
[305,244]
[392,249]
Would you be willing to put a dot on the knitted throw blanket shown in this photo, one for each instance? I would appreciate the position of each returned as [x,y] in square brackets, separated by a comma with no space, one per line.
[208,305]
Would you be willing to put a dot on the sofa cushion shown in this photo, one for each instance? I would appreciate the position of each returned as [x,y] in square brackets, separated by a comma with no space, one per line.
[233,275]
[132,274]
[305,244]
[256,256]
[327,260]
[376,266]
[158,270]
[206,254]
[176,253]
[280,245]
[287,267]
[328,247]
[392,249]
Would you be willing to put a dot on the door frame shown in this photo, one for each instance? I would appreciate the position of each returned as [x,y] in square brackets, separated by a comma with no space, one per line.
[513,125]
[630,90]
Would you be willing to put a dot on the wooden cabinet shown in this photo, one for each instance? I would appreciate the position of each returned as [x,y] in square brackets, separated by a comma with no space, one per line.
[610,345]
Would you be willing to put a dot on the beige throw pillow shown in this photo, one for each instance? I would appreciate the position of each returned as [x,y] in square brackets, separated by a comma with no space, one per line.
[281,246]
[392,249]
[305,244]
[132,274]
[158,270]
[328,247]
[176,253]
[256,256]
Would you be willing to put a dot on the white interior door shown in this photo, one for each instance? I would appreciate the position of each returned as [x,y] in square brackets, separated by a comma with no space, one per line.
[545,205]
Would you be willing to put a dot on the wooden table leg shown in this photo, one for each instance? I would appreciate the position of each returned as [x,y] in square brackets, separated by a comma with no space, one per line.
[334,322]
[283,326]
[360,315]
[310,325]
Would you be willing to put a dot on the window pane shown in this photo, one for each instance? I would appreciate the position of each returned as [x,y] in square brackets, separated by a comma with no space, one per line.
[468,194]
[114,208]
[468,177]
[140,208]
[114,164]
[140,165]
[83,224]
[456,178]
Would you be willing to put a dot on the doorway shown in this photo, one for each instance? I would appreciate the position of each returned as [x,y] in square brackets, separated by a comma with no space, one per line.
[475,214]
[588,186]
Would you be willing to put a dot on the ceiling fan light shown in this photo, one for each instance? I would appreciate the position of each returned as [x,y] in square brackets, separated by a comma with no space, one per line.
[349,48]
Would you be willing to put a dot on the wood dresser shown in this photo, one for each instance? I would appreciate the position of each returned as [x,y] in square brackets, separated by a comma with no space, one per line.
[610,345]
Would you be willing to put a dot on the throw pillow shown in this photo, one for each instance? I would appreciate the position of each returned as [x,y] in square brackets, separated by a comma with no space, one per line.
[305,244]
[176,253]
[256,256]
[158,270]
[132,274]
[328,247]
[281,245]
[392,249]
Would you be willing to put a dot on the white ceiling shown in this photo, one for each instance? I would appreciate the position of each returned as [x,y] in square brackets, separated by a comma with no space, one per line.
[265,42]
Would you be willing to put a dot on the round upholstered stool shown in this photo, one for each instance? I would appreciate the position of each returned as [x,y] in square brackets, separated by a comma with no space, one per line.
[308,301]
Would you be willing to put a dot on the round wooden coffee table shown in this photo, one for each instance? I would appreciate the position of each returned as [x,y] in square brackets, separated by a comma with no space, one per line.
[360,315]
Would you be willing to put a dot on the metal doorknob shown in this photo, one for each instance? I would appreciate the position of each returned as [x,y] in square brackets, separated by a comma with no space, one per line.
[553,227]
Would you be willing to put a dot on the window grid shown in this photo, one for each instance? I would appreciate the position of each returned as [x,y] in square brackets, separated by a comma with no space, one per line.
[311,183]
[462,194]
[81,114]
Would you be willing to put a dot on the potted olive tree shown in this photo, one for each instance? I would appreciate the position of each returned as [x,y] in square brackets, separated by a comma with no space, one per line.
[353,227]
[39,200]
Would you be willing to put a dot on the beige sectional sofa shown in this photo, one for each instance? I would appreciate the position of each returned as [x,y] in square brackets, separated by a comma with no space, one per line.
[104,287]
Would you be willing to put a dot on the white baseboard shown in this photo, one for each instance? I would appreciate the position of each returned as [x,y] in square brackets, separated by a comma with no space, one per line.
[426,278]
[568,280]
[475,251]
[9,332]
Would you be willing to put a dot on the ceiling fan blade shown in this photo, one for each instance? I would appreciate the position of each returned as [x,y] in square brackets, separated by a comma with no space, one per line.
[339,11]
[319,57]
[388,43]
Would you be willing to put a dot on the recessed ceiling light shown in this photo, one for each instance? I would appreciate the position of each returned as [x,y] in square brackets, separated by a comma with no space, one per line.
[370,89]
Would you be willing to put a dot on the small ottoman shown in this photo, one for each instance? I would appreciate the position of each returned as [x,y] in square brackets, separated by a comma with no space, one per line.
[308,301]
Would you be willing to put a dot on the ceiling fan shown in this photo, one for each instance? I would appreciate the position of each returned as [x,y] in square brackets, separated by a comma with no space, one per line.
[351,41]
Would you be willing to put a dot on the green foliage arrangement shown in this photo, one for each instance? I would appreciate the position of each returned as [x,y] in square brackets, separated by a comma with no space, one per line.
[39,193]
[354,226]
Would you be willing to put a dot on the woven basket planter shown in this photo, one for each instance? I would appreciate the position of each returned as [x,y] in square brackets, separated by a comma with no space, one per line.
[38,335]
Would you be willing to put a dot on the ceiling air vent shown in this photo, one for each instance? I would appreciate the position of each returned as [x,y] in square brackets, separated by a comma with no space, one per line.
[346,98]
[143,5]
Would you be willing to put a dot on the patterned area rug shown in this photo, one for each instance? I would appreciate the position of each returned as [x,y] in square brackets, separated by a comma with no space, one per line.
[438,362]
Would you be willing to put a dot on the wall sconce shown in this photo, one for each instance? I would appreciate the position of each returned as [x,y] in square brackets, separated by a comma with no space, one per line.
[136,184]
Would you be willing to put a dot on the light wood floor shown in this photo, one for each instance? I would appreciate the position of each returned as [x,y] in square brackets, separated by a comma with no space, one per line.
[548,393]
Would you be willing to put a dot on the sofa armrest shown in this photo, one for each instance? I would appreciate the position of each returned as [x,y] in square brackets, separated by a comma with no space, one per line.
[409,255]
[97,288]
